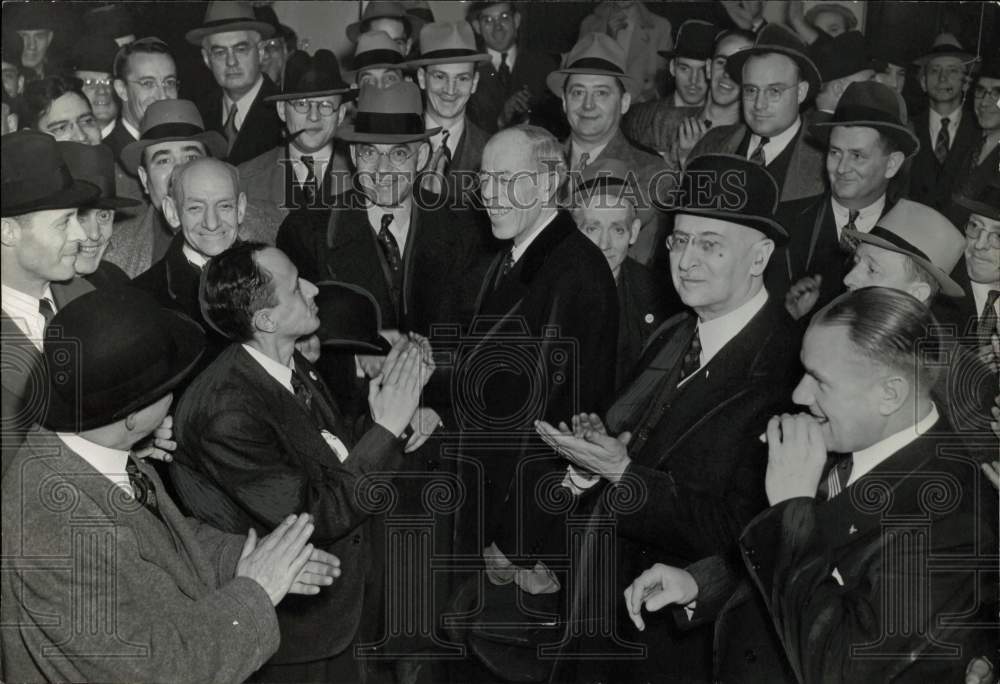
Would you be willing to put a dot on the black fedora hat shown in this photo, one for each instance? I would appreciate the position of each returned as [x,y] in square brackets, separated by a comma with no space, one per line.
[128,353]
[349,319]
[95,53]
[96,165]
[314,76]
[110,19]
[171,120]
[985,202]
[775,38]
[872,105]
[35,176]
[731,188]
[30,16]
[840,56]
[695,40]
[946,45]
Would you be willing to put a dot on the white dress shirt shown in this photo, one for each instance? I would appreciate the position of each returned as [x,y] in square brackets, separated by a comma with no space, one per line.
[775,145]
[980,295]
[243,104]
[454,133]
[867,217]
[23,310]
[935,126]
[716,333]
[106,131]
[866,459]
[495,57]
[108,462]
[194,258]
[132,130]
[576,153]
[321,160]
[400,226]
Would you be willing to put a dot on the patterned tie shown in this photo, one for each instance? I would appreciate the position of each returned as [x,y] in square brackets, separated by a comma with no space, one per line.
[849,243]
[584,160]
[943,142]
[310,186]
[692,359]
[46,309]
[230,127]
[506,267]
[446,151]
[504,72]
[758,154]
[143,489]
[390,248]
[989,321]
[836,479]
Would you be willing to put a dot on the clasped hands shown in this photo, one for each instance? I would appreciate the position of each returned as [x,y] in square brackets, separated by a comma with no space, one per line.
[394,392]
[586,444]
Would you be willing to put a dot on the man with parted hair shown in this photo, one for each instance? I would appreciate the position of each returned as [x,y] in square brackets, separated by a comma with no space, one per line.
[144,72]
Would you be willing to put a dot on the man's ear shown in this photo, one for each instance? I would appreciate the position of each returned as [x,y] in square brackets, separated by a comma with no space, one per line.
[517,20]
[920,290]
[20,85]
[626,102]
[10,232]
[672,68]
[171,212]
[144,179]
[633,231]
[262,320]
[121,90]
[422,78]
[475,26]
[893,392]
[803,91]
[922,78]
[241,208]
[475,81]
[762,252]
[895,163]
[280,107]
[205,58]
[423,155]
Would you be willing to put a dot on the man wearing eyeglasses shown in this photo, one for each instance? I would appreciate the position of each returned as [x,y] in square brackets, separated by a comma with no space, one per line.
[231,42]
[93,61]
[984,163]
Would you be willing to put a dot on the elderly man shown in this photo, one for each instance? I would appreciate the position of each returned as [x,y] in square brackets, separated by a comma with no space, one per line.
[685,428]
[261,438]
[144,73]
[93,63]
[36,25]
[776,78]
[231,42]
[596,92]
[41,237]
[391,18]
[309,170]
[870,424]
[181,601]
[949,137]
[377,61]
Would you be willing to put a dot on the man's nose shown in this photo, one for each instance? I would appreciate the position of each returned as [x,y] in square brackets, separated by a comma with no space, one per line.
[802,395]
[75,232]
[211,219]
[231,58]
[313,111]
[91,228]
[78,135]
[588,101]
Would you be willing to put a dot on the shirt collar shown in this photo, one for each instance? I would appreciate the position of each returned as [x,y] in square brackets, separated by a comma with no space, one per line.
[244,102]
[320,157]
[107,461]
[22,308]
[576,153]
[953,119]
[132,130]
[106,131]
[778,143]
[716,333]
[454,133]
[194,258]
[495,56]
[867,217]
[280,372]
[981,293]
[866,459]
[518,251]
[400,225]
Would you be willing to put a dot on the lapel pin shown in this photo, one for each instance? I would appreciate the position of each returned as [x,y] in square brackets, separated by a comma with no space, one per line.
[648,318]
[852,530]
[312,375]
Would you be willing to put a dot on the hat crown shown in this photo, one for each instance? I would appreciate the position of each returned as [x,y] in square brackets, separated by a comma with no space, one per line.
[166,112]
[29,153]
[776,35]
[866,101]
[96,54]
[841,55]
[320,72]
[696,39]
[925,229]
[593,48]
[383,8]
[447,35]
[220,12]
[400,98]
[376,40]
[92,163]
[35,176]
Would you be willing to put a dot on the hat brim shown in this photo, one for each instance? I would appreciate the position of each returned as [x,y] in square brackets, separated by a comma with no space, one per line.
[735,62]
[131,156]
[196,35]
[115,203]
[346,90]
[976,207]
[347,133]
[948,286]
[670,54]
[849,17]
[557,79]
[416,23]
[765,224]
[80,193]
[963,55]
[189,343]
[474,58]
[906,139]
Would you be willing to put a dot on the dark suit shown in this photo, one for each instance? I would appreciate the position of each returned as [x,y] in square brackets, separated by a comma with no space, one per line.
[530,69]
[249,454]
[118,138]
[642,307]
[931,182]
[261,129]
[469,151]
[107,275]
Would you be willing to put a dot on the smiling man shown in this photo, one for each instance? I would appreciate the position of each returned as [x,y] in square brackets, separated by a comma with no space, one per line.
[57,106]
[144,72]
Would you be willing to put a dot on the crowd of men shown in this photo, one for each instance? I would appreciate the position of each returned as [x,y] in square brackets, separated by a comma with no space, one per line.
[465,362]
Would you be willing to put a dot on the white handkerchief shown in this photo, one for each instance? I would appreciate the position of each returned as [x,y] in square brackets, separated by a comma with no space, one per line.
[836,575]
[334,443]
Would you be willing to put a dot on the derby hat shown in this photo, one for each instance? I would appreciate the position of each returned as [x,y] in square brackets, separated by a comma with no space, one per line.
[420,9]
[775,38]
[594,53]
[388,115]
[872,105]
[849,18]
[128,353]
[35,176]
[945,45]
[985,202]
[447,42]
[383,9]
[314,76]
[376,50]
[349,319]
[96,53]
[221,17]
[922,234]
[96,165]
[731,188]
[695,40]
[110,19]
[840,56]
[171,120]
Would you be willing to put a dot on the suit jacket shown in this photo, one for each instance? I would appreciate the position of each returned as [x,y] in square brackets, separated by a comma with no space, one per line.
[249,454]
[126,184]
[22,381]
[126,595]
[261,129]
[118,138]
[139,242]
[642,307]
[530,69]
[931,182]
[469,151]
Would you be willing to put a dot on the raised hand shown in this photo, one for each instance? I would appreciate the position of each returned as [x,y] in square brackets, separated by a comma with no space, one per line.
[518,103]
[276,561]
[393,396]
[659,586]
[803,295]
[691,130]
[796,456]
[160,445]
[593,451]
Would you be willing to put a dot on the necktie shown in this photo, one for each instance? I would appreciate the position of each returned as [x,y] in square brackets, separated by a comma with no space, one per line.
[849,243]
[230,127]
[305,397]
[504,71]
[943,141]
[836,479]
[692,358]
[309,186]
[143,489]
[758,154]
[989,322]
[46,309]
[390,248]
[506,267]
[446,151]
[584,160]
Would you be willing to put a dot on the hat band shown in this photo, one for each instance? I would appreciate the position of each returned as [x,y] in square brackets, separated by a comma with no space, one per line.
[370,57]
[447,54]
[388,124]
[172,130]
[596,63]
[849,113]
[600,182]
[896,241]
[215,23]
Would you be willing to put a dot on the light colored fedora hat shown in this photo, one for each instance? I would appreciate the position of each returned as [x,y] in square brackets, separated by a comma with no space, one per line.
[594,53]
[171,120]
[445,42]
[229,16]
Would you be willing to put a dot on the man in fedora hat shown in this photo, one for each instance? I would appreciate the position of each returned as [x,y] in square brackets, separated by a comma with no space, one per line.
[868,140]
[309,170]
[596,93]
[172,133]
[377,61]
[683,431]
[179,600]
[687,62]
[391,18]
[230,40]
[949,137]
[41,237]
[776,78]
[36,24]
[399,242]
[841,60]
[92,62]
[261,437]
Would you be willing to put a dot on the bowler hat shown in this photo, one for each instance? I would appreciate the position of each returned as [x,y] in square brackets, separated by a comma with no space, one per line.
[775,38]
[872,105]
[840,56]
[128,352]
[388,115]
[731,188]
[221,17]
[594,53]
[376,50]
[420,9]
[695,40]
[849,18]
[349,319]
[35,176]
[383,9]
[314,76]
[110,19]
[985,202]
[945,45]
[922,234]
[96,165]
[171,120]
[95,53]
[447,42]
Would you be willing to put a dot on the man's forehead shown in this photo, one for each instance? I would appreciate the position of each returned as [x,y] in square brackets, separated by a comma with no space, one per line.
[730,45]
[946,61]
[591,80]
[175,147]
[33,32]
[689,61]
[394,27]
[229,38]
[606,205]
[495,9]
[84,74]
[988,81]
[856,136]
[985,222]
[453,68]
[698,225]
[770,65]
[140,62]
[507,152]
